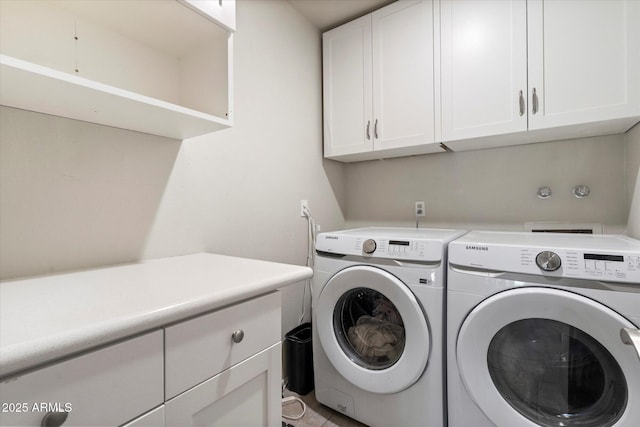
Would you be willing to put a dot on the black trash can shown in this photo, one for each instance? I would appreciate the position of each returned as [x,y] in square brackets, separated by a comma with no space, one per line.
[299,357]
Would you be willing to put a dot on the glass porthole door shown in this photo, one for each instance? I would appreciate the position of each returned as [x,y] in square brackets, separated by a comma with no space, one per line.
[369,328]
[372,329]
[545,357]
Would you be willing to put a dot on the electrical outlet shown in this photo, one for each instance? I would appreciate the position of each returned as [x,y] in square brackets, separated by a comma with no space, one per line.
[420,209]
[304,204]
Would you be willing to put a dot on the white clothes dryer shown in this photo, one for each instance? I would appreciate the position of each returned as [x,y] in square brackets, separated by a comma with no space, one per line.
[378,324]
[541,329]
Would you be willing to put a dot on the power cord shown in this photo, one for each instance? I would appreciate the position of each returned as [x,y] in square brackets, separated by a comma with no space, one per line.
[290,399]
[311,239]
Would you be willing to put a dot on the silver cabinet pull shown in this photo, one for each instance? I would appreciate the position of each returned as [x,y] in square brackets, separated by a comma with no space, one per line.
[521,104]
[237,336]
[631,337]
[54,419]
[368,128]
[534,101]
[375,130]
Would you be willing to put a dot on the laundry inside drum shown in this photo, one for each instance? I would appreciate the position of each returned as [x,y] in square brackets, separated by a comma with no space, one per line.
[369,328]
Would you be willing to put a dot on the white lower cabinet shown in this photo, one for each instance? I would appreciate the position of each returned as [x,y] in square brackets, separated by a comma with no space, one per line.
[200,348]
[221,368]
[153,418]
[224,368]
[247,394]
[106,387]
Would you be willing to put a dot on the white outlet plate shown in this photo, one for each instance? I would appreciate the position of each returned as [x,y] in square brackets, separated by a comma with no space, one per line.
[303,204]
[420,208]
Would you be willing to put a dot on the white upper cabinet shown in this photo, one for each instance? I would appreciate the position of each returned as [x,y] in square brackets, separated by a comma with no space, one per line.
[584,61]
[153,66]
[484,68]
[554,68]
[347,88]
[379,92]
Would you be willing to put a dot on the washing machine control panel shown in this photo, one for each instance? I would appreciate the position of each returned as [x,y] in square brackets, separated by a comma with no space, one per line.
[405,249]
[394,249]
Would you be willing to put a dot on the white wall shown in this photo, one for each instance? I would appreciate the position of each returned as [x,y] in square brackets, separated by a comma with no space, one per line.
[77,195]
[496,188]
[632,169]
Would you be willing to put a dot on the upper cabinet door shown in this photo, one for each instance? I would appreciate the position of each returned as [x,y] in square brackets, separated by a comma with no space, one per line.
[484,67]
[346,68]
[403,75]
[584,61]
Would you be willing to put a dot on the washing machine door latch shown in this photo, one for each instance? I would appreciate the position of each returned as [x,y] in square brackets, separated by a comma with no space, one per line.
[631,337]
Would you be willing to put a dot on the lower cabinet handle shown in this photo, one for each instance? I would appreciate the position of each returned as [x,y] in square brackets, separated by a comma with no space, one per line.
[521,101]
[631,337]
[54,419]
[534,101]
[237,336]
[368,127]
[375,130]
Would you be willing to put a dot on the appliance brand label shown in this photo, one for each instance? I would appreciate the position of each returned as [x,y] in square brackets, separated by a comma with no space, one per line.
[477,248]
[331,237]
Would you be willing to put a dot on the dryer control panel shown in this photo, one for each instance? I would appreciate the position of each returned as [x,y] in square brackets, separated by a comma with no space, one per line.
[595,257]
[586,265]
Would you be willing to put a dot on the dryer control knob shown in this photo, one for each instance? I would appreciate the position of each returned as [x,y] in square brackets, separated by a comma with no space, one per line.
[369,246]
[548,261]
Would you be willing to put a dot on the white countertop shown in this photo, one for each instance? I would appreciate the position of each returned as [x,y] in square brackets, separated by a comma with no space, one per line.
[48,317]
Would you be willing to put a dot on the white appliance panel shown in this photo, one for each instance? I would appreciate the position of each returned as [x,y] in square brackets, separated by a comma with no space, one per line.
[601,257]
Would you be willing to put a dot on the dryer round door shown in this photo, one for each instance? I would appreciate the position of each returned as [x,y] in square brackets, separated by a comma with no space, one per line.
[546,357]
[372,329]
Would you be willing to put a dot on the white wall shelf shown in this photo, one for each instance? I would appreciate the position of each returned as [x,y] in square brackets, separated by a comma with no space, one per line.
[151,66]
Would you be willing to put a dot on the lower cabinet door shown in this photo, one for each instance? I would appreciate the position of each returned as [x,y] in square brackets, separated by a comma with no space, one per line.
[106,387]
[247,394]
[153,418]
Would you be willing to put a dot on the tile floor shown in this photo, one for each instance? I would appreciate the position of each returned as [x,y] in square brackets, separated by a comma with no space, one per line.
[316,415]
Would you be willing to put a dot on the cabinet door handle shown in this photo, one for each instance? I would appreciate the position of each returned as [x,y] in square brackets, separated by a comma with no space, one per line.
[375,130]
[521,101]
[534,101]
[368,128]
[54,419]
[237,336]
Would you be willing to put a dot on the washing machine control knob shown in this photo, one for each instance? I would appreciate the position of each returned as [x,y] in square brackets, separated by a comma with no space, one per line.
[369,246]
[548,261]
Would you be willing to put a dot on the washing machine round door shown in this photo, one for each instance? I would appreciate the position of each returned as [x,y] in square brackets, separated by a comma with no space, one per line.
[372,329]
[546,357]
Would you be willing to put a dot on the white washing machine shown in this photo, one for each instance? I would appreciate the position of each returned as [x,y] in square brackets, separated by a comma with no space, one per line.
[541,330]
[378,313]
